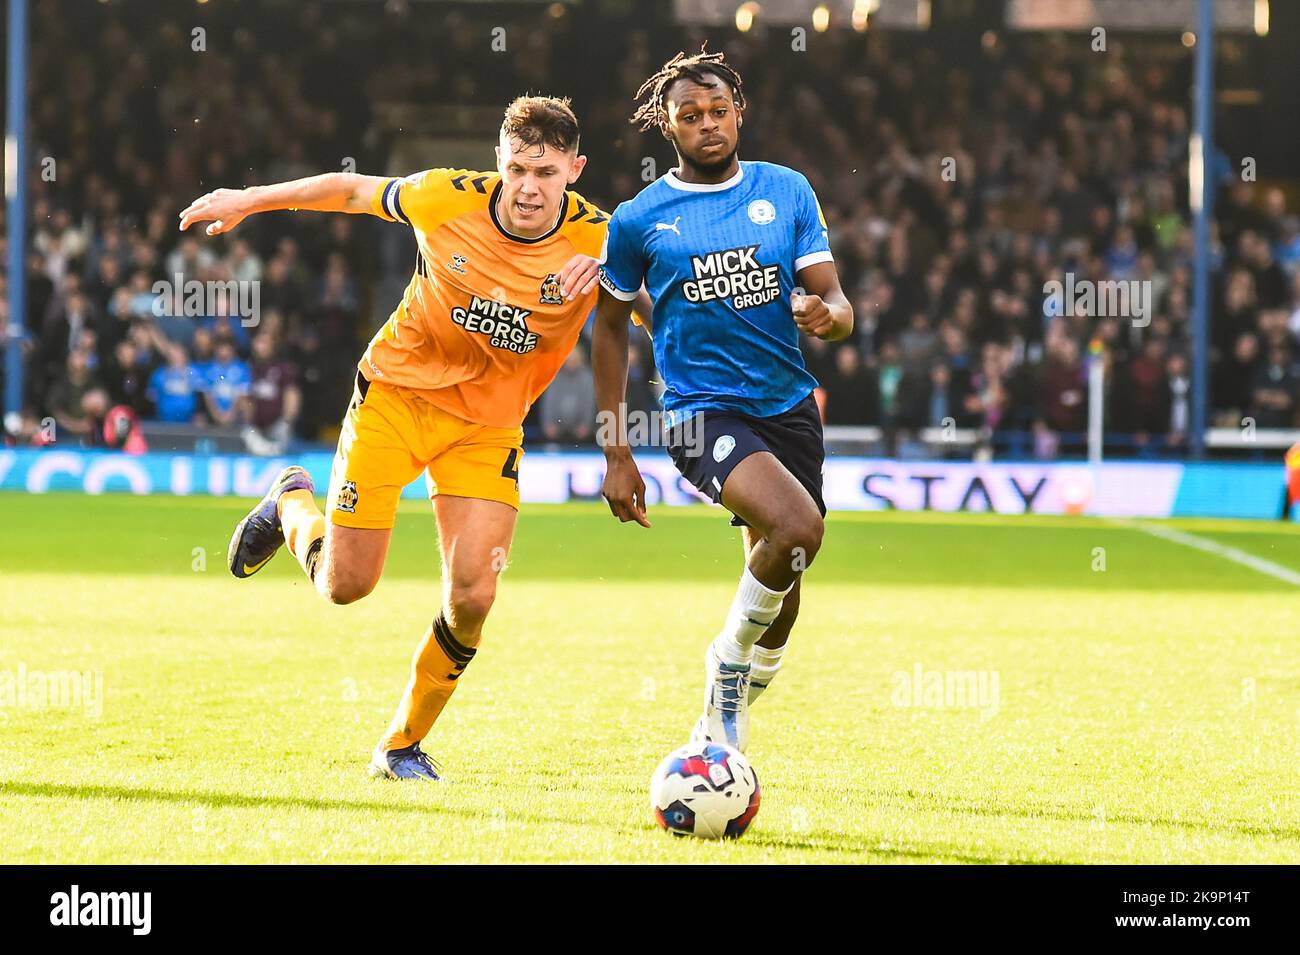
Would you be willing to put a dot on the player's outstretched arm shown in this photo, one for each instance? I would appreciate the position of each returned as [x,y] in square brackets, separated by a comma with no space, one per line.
[330,192]
[822,310]
[624,488]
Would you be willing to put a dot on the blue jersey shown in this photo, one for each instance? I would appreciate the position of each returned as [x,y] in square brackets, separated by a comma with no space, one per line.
[175,392]
[719,261]
[227,383]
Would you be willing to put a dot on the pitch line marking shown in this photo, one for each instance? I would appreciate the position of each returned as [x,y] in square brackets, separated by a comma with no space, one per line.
[1233,554]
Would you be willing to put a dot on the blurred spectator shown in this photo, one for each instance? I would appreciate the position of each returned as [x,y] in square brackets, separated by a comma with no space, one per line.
[1234,384]
[76,400]
[60,244]
[243,263]
[568,406]
[122,431]
[175,388]
[889,378]
[203,352]
[1273,404]
[849,399]
[918,343]
[1062,390]
[274,397]
[1122,256]
[127,377]
[318,378]
[934,398]
[1142,395]
[819,359]
[988,397]
[189,261]
[1271,284]
[338,288]
[281,290]
[1179,401]
[1287,250]
[225,386]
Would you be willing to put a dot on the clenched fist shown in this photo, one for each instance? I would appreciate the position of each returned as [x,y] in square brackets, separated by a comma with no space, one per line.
[812,315]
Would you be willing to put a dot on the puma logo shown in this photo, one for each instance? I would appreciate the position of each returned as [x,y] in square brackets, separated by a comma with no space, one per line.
[665,226]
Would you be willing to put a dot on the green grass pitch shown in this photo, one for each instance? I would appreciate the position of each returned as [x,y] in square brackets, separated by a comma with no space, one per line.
[1141,697]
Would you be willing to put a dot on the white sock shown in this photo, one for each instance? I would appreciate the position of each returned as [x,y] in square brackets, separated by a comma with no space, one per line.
[752,612]
[763,669]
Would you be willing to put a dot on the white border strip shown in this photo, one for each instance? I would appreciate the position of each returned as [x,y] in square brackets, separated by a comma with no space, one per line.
[1259,564]
[671,178]
[812,258]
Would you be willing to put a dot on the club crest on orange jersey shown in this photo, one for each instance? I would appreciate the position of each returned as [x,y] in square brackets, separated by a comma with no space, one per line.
[348,497]
[551,290]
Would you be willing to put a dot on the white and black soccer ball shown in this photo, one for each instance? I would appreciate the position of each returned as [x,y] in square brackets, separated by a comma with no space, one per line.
[705,789]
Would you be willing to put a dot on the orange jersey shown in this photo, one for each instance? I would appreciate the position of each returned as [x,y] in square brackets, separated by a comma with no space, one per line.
[482,329]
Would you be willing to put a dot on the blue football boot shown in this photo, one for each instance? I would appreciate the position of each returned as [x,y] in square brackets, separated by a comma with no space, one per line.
[410,762]
[259,535]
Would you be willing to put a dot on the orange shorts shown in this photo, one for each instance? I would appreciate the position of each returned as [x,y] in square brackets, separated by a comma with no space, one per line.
[390,435]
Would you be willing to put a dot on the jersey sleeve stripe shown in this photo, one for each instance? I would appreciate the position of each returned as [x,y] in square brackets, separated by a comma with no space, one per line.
[383,198]
[608,285]
[391,203]
[397,202]
[812,258]
[377,204]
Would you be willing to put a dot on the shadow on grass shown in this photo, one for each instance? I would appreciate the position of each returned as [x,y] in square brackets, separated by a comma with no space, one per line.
[215,800]
[819,841]
[814,842]
[928,852]
[931,802]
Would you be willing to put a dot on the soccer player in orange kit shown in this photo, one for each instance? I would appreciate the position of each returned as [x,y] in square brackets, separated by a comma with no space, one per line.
[503,283]
[1291,490]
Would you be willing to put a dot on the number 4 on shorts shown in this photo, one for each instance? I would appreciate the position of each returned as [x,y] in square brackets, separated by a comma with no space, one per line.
[511,468]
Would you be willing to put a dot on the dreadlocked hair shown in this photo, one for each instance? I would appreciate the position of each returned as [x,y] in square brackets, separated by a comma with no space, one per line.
[695,67]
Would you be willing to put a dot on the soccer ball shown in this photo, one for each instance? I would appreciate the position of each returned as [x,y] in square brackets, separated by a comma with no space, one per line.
[705,789]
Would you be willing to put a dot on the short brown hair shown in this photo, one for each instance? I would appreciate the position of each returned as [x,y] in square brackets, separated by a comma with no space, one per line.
[542,120]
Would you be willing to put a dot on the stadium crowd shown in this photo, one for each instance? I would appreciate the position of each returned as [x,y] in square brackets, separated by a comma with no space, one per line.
[955,189]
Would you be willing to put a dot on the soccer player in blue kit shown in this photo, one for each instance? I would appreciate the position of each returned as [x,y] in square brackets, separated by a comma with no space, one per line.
[736,258]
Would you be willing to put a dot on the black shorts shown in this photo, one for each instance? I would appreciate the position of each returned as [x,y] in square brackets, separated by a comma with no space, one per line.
[707,449]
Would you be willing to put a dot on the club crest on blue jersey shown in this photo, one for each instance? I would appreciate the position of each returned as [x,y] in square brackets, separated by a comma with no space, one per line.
[761,212]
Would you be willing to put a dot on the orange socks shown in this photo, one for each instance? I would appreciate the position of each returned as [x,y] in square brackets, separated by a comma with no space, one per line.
[304,528]
[438,663]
